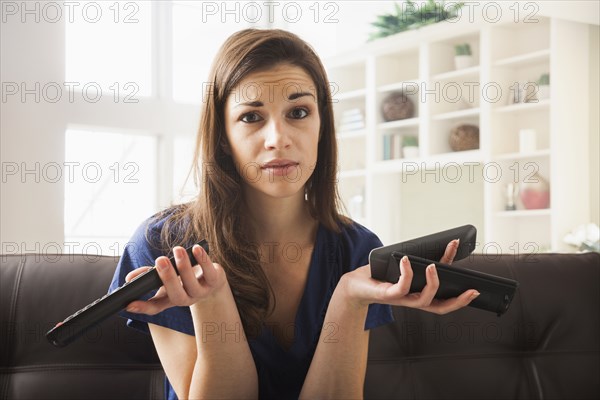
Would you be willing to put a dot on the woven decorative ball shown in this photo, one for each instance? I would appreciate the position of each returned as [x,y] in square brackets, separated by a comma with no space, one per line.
[397,106]
[464,137]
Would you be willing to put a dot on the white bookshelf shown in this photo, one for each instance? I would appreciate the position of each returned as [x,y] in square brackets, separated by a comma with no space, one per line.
[407,197]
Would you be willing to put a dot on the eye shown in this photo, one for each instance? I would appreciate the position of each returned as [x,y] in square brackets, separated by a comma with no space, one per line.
[250,117]
[298,113]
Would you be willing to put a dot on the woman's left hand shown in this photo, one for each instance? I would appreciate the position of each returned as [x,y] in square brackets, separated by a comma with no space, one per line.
[363,289]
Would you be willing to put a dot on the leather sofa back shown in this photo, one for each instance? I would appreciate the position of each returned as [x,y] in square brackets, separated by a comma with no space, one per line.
[545,346]
[111,361]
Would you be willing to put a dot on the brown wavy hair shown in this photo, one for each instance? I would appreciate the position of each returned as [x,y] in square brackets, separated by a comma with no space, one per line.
[216,213]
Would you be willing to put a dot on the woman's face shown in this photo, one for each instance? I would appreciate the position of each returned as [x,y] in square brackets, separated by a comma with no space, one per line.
[272,123]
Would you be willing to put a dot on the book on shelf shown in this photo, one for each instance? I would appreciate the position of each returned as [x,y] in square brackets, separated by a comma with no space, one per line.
[351,120]
[392,146]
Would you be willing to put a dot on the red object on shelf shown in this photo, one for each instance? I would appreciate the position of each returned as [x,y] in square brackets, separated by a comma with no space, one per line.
[535,193]
[534,199]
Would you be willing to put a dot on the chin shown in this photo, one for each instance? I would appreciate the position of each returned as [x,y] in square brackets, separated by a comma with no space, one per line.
[281,189]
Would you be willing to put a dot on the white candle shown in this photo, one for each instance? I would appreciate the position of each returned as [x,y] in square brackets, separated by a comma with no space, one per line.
[527,140]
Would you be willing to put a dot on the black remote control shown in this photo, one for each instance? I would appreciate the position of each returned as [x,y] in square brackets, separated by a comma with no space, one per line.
[92,314]
[495,292]
[431,247]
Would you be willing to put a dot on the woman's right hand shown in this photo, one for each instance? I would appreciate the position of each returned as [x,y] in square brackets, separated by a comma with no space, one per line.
[192,285]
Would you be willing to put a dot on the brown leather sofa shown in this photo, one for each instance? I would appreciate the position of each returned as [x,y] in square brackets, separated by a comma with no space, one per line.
[546,346]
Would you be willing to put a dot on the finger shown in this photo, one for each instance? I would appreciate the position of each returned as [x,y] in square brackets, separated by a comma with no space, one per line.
[431,287]
[402,288]
[186,272]
[450,252]
[171,281]
[136,303]
[133,274]
[453,304]
[209,270]
[151,307]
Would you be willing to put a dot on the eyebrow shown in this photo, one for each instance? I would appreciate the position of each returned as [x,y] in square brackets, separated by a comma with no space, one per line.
[293,96]
[251,104]
[296,95]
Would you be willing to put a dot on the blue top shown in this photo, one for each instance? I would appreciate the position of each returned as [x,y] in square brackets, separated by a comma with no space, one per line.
[281,372]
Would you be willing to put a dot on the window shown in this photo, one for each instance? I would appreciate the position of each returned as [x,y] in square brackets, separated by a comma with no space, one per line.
[108,47]
[110,187]
[183,153]
[198,32]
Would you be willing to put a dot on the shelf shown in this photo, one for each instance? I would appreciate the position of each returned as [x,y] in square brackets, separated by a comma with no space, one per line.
[520,156]
[524,106]
[534,57]
[470,112]
[403,123]
[397,165]
[509,55]
[431,162]
[457,73]
[349,95]
[545,212]
[455,157]
[399,86]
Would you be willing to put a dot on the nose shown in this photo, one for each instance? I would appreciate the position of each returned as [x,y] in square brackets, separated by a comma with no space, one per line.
[277,135]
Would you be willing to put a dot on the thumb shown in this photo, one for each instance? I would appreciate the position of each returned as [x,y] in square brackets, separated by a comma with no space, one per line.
[130,276]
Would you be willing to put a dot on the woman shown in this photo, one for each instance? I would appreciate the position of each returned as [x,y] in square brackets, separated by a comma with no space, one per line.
[282,306]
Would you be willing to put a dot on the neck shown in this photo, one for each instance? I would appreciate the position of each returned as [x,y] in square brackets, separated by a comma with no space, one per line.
[280,219]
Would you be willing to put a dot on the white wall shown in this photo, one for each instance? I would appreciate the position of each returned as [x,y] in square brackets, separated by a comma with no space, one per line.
[32,135]
[595,124]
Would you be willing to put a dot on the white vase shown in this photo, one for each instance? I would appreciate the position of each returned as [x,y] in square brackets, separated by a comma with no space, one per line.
[535,193]
[410,151]
[543,92]
[464,61]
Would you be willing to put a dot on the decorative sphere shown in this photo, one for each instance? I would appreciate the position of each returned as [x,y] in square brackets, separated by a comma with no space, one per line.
[464,137]
[397,106]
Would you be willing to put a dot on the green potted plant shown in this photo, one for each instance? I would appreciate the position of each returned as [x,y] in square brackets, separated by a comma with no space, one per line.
[410,146]
[543,86]
[463,58]
[411,15]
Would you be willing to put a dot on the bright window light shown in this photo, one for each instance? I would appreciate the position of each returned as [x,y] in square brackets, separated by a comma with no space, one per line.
[183,153]
[110,188]
[198,32]
[109,44]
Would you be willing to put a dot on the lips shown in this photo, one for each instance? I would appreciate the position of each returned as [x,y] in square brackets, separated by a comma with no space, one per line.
[278,163]
[279,166]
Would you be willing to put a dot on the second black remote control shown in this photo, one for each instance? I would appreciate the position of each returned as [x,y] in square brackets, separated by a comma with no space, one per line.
[495,292]
[431,247]
[92,314]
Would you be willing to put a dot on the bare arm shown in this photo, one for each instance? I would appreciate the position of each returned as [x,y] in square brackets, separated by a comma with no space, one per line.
[201,366]
[339,365]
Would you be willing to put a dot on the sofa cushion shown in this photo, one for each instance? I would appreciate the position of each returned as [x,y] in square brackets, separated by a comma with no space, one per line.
[110,361]
[545,346]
